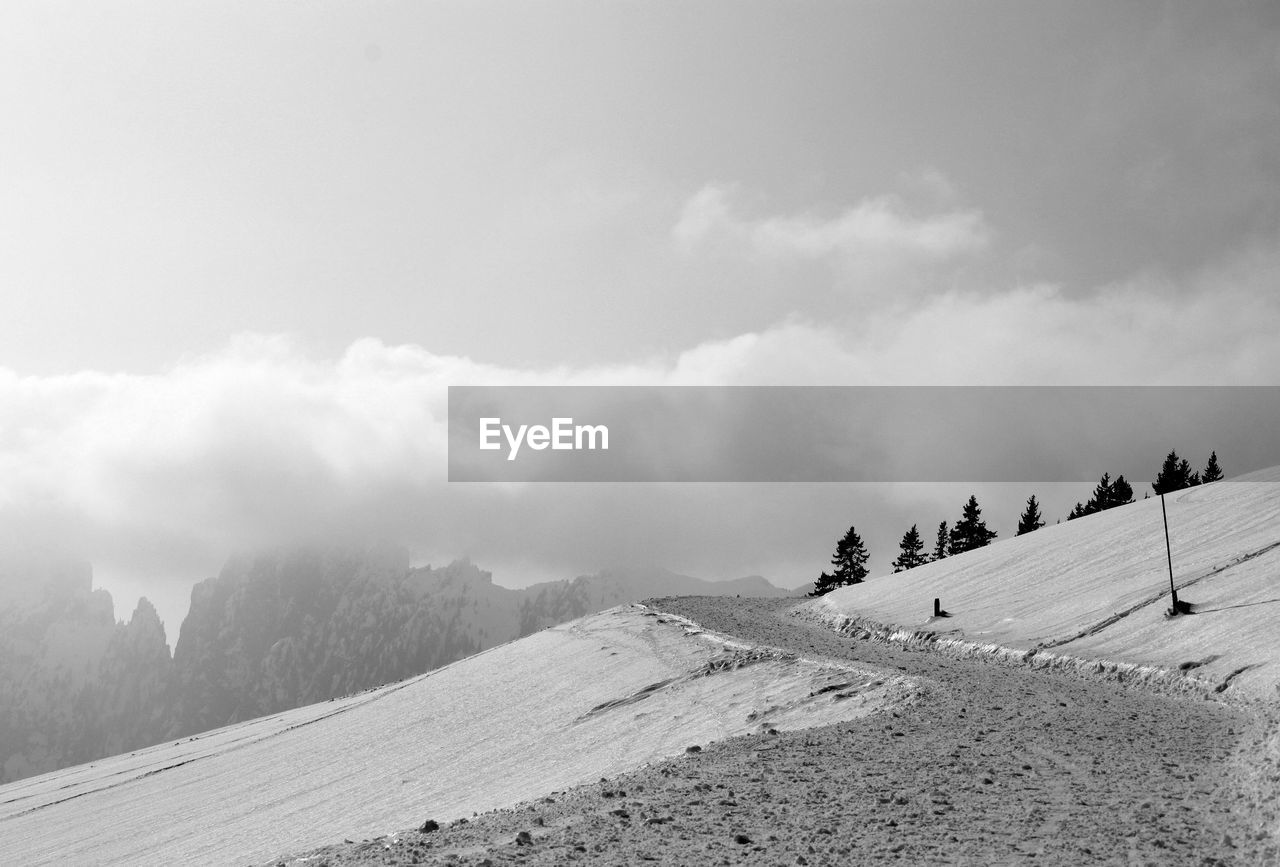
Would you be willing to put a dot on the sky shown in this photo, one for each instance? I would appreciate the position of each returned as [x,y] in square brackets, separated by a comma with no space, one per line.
[244,248]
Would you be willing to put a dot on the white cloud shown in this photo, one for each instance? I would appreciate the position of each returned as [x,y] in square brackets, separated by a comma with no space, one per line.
[262,443]
[705,212]
[873,228]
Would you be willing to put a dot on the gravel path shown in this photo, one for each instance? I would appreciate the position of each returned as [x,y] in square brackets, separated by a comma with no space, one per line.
[991,763]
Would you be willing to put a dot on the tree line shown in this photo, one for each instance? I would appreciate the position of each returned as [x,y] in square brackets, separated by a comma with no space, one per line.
[850,559]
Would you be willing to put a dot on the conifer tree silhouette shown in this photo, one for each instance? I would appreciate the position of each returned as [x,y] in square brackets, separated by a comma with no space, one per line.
[912,551]
[1031,519]
[942,546]
[850,561]
[1212,471]
[970,531]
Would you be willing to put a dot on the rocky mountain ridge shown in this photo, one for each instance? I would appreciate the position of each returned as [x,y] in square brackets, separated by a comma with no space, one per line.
[74,683]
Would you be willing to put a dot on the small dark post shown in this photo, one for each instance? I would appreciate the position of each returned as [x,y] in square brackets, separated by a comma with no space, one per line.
[937,607]
[1173,591]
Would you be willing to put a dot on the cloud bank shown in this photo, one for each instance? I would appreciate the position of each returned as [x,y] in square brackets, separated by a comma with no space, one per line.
[262,443]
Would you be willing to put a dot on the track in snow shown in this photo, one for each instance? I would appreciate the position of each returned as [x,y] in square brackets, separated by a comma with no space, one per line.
[992,763]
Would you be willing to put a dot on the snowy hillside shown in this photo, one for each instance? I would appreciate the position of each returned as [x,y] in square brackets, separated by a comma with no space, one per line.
[1098,587]
[567,705]
[273,631]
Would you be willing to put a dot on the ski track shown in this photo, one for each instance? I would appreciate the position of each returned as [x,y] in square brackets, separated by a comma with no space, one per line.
[991,762]
[130,778]
[1158,597]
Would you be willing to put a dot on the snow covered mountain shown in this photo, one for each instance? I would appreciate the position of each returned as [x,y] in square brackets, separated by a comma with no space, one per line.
[567,705]
[599,695]
[1098,588]
[291,628]
[271,632]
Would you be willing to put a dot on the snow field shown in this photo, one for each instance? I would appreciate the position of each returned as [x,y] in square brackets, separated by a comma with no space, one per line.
[568,705]
[1092,593]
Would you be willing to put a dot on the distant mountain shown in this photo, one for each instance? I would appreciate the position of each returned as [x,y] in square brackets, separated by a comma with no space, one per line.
[271,632]
[291,628]
[74,683]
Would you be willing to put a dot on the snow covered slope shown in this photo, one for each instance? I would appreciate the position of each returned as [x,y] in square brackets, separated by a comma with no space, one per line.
[565,706]
[1098,587]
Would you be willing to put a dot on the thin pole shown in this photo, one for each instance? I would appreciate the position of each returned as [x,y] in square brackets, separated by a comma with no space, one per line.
[1173,591]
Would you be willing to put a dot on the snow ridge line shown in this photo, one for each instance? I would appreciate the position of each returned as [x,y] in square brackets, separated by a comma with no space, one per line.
[734,654]
[1152,600]
[726,661]
[738,652]
[1147,676]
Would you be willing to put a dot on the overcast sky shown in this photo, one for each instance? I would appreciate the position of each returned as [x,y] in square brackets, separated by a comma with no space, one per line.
[244,247]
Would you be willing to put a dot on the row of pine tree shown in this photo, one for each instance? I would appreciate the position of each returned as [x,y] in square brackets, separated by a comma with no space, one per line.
[850,559]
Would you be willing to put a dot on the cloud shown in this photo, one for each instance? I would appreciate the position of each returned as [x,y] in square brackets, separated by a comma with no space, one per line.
[705,212]
[876,228]
[263,443]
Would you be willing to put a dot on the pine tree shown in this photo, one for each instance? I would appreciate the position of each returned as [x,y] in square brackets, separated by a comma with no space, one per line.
[912,551]
[1167,478]
[1031,519]
[1101,498]
[1212,472]
[825,584]
[1106,495]
[850,561]
[970,531]
[942,547]
[1121,492]
[1109,494]
[1175,474]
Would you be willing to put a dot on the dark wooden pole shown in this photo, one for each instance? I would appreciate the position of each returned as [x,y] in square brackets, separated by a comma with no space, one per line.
[1173,591]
